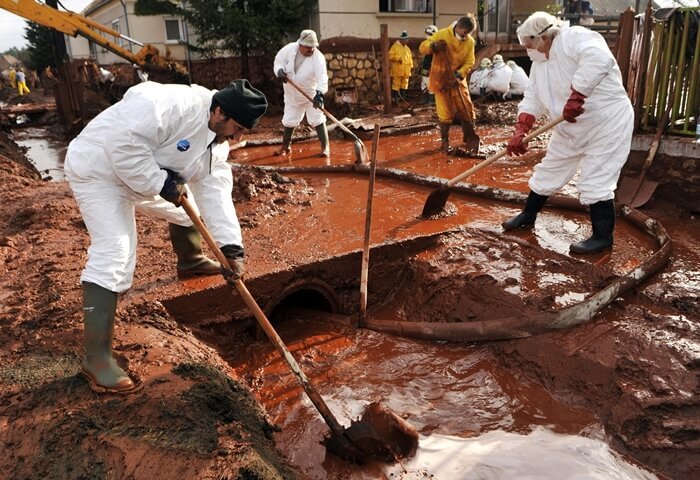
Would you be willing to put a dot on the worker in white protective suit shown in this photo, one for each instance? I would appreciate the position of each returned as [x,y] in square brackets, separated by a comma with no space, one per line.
[304,64]
[477,80]
[427,61]
[574,74]
[142,153]
[498,79]
[518,81]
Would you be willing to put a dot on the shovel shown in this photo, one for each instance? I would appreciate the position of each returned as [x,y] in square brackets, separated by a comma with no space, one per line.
[438,198]
[360,150]
[636,191]
[380,433]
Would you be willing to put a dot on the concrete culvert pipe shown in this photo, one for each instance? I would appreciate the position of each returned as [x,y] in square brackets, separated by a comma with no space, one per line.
[307,294]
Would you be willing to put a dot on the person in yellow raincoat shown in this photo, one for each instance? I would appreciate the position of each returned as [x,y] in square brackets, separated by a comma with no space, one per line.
[13,77]
[401,60]
[21,80]
[453,58]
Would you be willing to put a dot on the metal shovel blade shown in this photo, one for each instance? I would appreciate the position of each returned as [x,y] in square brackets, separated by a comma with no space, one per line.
[635,191]
[436,201]
[380,434]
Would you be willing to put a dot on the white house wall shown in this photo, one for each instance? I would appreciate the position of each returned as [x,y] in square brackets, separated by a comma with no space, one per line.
[146,29]
[361,18]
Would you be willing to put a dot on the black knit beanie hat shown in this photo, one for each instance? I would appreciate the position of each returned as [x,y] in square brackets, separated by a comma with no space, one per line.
[242,102]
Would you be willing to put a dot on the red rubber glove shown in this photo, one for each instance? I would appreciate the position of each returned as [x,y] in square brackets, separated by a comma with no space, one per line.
[574,106]
[515,144]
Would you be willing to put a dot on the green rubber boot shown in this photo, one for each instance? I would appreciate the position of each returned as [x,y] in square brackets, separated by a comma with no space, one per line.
[322,132]
[187,244]
[286,147]
[99,367]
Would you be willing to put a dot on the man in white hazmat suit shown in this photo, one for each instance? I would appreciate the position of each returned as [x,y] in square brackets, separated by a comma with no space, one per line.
[138,155]
[305,65]
[518,81]
[477,80]
[498,79]
[425,66]
[574,74]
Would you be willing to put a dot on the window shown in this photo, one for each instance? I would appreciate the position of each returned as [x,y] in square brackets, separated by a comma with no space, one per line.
[406,6]
[115,27]
[172,30]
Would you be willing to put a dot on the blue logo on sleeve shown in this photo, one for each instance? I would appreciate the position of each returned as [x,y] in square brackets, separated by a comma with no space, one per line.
[183,145]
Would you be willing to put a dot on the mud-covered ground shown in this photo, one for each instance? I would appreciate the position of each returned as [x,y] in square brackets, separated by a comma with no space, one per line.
[634,366]
[192,419]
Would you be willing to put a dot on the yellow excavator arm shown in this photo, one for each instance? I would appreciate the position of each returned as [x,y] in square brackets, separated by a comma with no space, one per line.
[71,24]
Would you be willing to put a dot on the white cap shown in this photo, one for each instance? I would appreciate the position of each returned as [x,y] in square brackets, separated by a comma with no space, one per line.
[497,58]
[485,62]
[511,63]
[430,30]
[539,23]
[308,38]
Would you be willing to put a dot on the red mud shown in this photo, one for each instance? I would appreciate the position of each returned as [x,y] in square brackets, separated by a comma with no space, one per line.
[634,368]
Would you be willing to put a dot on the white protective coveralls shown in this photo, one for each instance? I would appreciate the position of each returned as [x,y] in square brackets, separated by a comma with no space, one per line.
[310,74]
[114,167]
[477,80]
[498,79]
[518,81]
[599,142]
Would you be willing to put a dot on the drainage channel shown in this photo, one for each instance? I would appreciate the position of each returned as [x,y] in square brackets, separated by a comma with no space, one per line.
[466,406]
[476,418]
[44,149]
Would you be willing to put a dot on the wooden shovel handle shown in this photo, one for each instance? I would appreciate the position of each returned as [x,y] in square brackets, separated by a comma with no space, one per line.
[328,114]
[313,394]
[452,182]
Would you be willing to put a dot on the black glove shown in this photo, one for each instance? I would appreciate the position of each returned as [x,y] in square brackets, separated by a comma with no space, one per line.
[318,100]
[174,188]
[439,46]
[282,75]
[236,267]
[458,75]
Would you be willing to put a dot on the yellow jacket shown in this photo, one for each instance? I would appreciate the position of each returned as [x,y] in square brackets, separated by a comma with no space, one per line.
[401,60]
[461,54]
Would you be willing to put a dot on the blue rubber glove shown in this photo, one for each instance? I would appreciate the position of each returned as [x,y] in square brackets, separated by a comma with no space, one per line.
[318,100]
[174,188]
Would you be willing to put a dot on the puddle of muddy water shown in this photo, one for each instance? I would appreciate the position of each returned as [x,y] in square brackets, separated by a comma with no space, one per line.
[44,150]
[476,419]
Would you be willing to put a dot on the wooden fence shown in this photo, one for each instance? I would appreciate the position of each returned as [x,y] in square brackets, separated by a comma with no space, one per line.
[661,67]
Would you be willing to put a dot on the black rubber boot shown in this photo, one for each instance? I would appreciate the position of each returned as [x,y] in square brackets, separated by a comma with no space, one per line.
[322,132]
[444,137]
[603,223]
[286,147]
[527,217]
[99,366]
[471,139]
[187,244]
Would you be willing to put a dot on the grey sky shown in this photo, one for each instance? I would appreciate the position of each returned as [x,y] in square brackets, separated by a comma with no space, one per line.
[12,30]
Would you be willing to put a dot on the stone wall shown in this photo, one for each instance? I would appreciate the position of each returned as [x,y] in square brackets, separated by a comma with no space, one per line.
[352,64]
[361,71]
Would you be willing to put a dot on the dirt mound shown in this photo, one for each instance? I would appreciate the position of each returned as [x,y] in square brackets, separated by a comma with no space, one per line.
[191,419]
[473,275]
